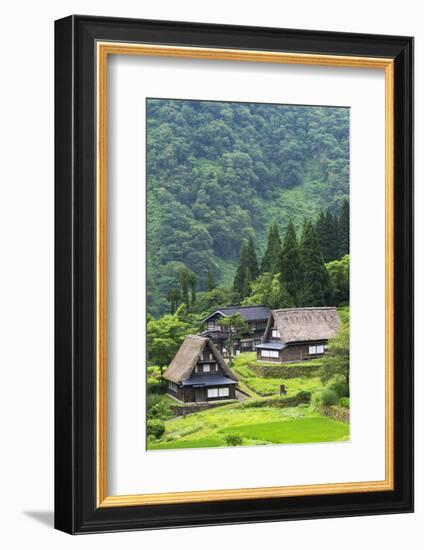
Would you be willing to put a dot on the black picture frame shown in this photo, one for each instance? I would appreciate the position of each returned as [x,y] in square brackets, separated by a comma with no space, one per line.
[76,510]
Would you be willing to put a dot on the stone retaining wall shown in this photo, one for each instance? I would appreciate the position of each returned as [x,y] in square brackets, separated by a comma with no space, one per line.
[182,410]
[338,413]
[280,402]
[281,371]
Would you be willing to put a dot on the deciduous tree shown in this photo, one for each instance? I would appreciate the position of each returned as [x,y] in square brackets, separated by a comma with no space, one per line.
[336,360]
[235,325]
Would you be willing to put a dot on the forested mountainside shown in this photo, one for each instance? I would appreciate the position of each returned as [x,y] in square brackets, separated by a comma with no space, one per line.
[220,172]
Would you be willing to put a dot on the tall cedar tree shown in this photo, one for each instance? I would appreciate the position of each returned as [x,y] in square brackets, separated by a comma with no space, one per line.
[183,278]
[192,281]
[252,260]
[344,230]
[243,276]
[327,232]
[271,259]
[291,266]
[316,280]
[211,283]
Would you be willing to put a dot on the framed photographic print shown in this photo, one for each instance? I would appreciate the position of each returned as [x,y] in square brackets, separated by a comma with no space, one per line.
[233,274]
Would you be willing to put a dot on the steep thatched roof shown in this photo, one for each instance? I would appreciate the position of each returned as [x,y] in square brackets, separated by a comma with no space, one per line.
[306,324]
[187,356]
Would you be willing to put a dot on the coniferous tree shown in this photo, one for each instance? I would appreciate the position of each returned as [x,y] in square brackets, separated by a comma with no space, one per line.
[326,230]
[291,267]
[211,283]
[252,260]
[183,278]
[242,278]
[271,259]
[192,281]
[316,280]
[344,230]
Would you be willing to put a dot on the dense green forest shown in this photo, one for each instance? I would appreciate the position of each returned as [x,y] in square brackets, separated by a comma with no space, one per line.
[220,176]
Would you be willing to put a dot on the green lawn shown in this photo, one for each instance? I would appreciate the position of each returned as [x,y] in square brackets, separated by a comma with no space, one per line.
[299,430]
[257,426]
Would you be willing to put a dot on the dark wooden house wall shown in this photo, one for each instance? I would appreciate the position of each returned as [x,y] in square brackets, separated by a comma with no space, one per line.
[199,395]
[293,353]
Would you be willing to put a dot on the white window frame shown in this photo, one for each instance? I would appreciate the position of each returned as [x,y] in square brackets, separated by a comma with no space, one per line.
[275,333]
[206,368]
[223,392]
[212,392]
[269,353]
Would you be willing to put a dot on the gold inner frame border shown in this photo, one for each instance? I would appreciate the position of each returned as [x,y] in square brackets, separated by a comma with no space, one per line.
[103,50]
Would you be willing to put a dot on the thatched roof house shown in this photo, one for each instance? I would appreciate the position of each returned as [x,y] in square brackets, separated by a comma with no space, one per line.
[297,334]
[255,317]
[199,373]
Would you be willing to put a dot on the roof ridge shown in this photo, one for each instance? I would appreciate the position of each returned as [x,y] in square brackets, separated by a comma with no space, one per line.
[241,307]
[320,308]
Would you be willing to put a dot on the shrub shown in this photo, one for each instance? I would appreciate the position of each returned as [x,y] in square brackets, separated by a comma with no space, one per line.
[160,410]
[156,385]
[156,428]
[303,406]
[232,440]
[345,402]
[303,396]
[338,385]
[329,397]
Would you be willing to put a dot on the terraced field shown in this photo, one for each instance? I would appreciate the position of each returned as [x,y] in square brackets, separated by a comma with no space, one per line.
[255,426]
[262,419]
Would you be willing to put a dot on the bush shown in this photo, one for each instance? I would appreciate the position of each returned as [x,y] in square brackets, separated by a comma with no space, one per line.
[156,385]
[338,384]
[329,397]
[303,396]
[158,407]
[156,428]
[232,440]
[345,402]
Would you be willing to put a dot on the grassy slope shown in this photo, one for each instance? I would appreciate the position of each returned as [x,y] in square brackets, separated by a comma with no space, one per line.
[256,426]
[271,386]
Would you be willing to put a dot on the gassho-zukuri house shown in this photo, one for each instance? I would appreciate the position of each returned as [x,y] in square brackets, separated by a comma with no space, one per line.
[198,373]
[298,334]
[256,318]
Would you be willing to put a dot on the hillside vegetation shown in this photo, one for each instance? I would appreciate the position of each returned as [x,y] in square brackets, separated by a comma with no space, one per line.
[220,172]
